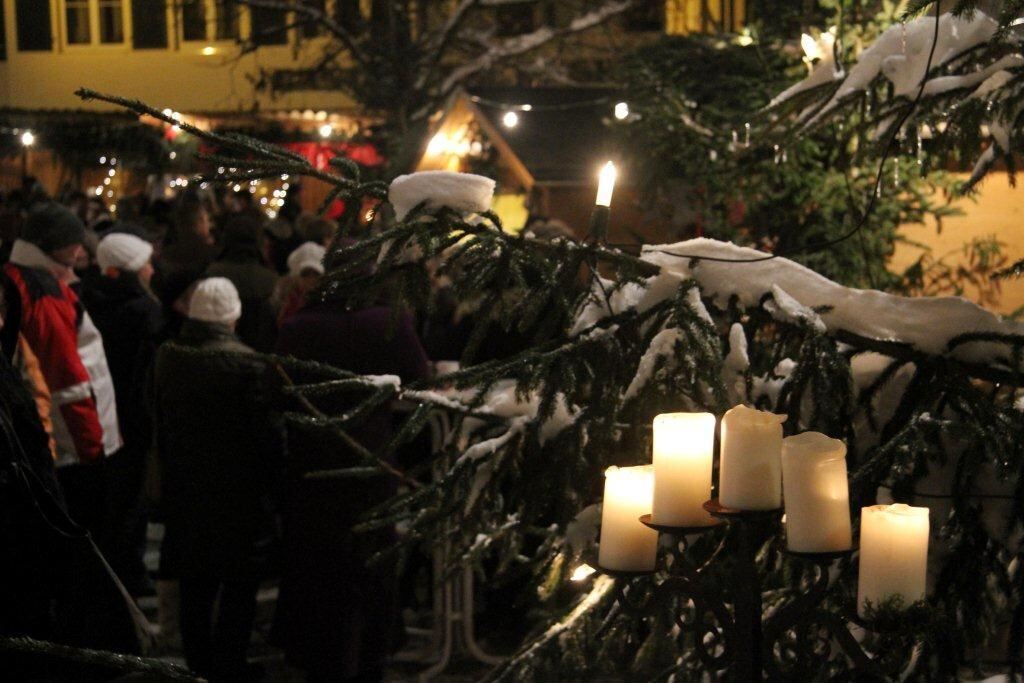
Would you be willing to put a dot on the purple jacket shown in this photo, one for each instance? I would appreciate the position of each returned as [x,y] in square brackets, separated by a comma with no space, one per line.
[335,617]
[364,341]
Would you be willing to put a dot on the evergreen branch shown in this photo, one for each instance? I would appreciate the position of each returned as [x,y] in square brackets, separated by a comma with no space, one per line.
[351,443]
[128,666]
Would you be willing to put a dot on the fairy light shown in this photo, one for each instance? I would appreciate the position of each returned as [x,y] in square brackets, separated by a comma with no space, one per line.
[621,110]
[510,119]
[28,138]
[326,130]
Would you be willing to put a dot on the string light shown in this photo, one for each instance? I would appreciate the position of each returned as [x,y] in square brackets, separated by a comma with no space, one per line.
[510,119]
[28,138]
[326,130]
[209,50]
[621,110]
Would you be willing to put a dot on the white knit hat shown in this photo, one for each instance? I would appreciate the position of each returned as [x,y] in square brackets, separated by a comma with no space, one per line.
[123,251]
[215,300]
[308,255]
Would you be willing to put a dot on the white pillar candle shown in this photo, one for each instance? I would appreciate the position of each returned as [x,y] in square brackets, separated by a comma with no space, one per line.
[816,493]
[626,544]
[750,469]
[893,554]
[683,453]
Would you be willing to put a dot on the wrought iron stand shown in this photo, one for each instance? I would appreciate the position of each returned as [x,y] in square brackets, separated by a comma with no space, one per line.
[728,627]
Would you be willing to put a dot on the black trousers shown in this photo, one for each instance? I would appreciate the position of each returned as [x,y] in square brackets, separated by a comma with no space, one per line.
[124,530]
[215,641]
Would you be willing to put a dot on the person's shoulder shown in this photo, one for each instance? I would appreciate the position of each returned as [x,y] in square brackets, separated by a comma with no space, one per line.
[38,282]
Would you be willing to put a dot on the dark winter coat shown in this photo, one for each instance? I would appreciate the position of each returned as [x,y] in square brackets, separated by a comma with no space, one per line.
[130,321]
[243,265]
[220,450]
[335,617]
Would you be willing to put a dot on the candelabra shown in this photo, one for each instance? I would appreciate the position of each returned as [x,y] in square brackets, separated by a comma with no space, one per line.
[727,625]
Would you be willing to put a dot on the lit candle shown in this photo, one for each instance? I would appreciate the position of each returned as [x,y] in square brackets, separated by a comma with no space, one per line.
[626,544]
[750,471]
[816,493]
[606,184]
[893,554]
[683,453]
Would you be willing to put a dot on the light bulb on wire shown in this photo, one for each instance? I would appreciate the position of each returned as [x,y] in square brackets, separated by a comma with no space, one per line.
[510,119]
[28,138]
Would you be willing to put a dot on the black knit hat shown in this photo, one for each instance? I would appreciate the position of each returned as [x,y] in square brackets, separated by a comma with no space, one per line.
[51,226]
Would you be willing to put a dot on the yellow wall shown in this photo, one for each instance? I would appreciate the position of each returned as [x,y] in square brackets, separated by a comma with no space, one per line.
[180,77]
[998,210]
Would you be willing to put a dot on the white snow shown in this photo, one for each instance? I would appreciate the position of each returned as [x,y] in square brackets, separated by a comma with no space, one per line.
[784,307]
[735,364]
[900,54]
[490,446]
[662,345]
[462,192]
[927,323]
[581,532]
[382,381]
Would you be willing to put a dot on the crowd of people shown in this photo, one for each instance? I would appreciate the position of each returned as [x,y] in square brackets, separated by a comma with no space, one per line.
[146,343]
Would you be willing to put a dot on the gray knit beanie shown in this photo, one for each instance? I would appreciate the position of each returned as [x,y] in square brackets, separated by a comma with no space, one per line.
[51,226]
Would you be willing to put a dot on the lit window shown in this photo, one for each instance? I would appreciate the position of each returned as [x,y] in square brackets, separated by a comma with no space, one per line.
[78,23]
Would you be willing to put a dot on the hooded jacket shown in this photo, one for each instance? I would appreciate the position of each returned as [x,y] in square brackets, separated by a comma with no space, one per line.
[70,353]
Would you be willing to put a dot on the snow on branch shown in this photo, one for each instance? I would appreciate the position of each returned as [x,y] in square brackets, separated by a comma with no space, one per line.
[925,323]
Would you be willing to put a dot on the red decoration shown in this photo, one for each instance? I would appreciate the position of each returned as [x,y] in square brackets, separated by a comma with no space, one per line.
[320,153]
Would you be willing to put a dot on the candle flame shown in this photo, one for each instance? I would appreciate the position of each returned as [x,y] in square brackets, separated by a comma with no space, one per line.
[606,184]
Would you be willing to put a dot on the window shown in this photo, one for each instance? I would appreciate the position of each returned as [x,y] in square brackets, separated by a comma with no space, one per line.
[227,20]
[77,17]
[207,20]
[89,22]
[193,20]
[149,24]
[111,16]
[32,25]
[269,27]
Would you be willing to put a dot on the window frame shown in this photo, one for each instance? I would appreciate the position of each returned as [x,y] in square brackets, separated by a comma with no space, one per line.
[94,28]
[211,16]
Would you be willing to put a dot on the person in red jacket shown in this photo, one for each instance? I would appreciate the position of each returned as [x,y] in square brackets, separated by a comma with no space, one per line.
[50,318]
